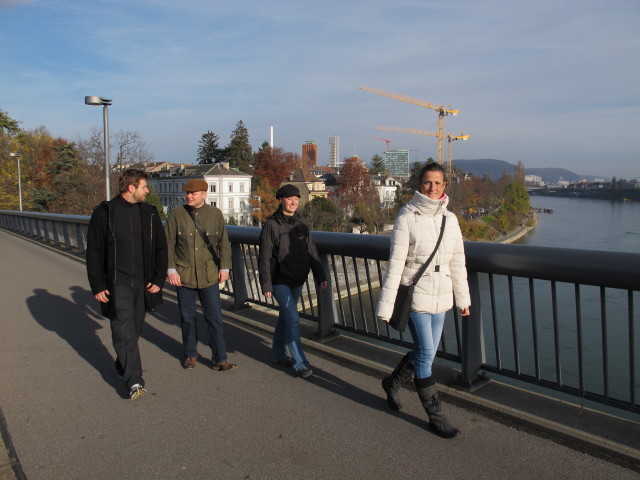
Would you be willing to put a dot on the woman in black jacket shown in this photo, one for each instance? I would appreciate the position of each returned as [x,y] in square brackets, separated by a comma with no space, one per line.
[287,252]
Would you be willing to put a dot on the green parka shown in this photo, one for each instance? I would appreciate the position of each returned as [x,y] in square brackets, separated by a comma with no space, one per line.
[188,253]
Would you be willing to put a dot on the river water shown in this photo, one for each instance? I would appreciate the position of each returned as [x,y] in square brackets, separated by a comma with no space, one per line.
[585,224]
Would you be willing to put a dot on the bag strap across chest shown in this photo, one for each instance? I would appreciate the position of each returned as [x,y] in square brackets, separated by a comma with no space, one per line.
[203,234]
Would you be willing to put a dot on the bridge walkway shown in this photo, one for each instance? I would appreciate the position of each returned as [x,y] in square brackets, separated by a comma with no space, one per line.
[66,416]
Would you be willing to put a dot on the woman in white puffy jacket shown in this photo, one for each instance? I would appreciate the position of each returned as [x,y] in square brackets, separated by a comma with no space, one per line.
[414,237]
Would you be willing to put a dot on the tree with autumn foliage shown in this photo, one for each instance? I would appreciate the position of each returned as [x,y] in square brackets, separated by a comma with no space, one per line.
[273,165]
[356,194]
[264,203]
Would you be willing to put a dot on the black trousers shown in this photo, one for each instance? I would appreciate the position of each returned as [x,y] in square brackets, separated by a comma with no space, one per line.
[125,332]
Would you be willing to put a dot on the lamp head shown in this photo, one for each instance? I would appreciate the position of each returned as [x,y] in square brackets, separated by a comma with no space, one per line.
[14,154]
[93,100]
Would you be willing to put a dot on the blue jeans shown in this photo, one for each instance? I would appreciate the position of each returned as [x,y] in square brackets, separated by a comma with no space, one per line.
[426,330]
[287,333]
[212,309]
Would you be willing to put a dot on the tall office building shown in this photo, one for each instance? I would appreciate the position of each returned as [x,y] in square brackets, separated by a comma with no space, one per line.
[309,154]
[334,152]
[397,162]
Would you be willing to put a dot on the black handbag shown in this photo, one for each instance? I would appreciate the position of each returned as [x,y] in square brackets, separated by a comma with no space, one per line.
[402,306]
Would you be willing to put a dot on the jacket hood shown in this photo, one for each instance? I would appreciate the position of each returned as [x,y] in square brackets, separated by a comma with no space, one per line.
[422,204]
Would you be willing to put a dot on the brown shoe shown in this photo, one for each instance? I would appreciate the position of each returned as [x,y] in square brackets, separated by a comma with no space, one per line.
[224,366]
[189,363]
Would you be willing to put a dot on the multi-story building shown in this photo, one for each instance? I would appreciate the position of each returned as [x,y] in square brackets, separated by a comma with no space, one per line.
[386,187]
[309,154]
[229,189]
[334,152]
[309,185]
[533,180]
[397,162]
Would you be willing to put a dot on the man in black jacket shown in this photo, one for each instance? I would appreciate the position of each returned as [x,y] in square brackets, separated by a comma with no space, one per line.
[127,266]
[287,252]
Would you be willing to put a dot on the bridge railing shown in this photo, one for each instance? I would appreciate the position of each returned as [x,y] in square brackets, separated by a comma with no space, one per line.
[563,319]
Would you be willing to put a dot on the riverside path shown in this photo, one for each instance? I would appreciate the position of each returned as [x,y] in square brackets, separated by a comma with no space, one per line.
[66,416]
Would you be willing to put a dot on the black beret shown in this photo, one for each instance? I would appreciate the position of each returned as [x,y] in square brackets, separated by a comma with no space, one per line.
[287,191]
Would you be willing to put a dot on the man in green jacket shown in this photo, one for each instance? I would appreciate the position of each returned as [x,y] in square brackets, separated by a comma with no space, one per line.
[199,259]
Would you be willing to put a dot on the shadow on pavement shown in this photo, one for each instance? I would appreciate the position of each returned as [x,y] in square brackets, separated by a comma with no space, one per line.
[77,325]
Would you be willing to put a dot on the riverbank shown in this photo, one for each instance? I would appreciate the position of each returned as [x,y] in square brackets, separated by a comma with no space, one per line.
[519,232]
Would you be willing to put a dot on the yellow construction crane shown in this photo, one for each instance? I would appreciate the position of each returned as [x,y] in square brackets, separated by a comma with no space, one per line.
[441,109]
[449,136]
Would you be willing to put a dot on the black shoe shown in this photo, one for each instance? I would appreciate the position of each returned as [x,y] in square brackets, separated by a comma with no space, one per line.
[284,362]
[304,372]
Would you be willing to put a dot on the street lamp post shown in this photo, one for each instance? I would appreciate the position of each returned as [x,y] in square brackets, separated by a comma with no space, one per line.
[105,102]
[17,155]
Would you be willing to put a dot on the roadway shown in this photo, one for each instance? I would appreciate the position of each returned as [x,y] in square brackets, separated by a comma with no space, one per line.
[66,416]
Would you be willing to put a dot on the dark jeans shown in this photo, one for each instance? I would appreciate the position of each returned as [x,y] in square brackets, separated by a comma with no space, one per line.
[211,307]
[125,332]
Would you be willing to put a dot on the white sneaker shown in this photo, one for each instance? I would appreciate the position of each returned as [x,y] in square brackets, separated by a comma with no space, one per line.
[136,391]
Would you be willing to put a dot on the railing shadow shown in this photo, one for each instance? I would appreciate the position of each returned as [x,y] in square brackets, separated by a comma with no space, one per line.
[258,347]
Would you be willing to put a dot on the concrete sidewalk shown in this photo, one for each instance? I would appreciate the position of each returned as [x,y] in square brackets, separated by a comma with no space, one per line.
[68,417]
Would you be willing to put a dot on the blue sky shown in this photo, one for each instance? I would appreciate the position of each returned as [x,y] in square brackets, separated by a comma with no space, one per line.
[549,83]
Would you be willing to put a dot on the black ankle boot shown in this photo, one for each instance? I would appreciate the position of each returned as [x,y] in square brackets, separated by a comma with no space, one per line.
[428,393]
[391,385]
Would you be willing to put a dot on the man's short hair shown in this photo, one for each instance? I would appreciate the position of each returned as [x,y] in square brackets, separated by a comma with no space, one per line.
[131,176]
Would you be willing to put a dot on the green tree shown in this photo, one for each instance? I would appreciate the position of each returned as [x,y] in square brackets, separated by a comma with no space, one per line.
[239,152]
[8,125]
[516,199]
[322,214]
[404,192]
[66,156]
[378,166]
[520,173]
[39,199]
[75,186]
[208,150]
[154,199]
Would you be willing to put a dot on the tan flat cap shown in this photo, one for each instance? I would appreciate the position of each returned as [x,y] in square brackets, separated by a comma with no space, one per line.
[196,185]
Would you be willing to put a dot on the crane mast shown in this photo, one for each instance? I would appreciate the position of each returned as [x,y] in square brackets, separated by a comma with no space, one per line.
[441,109]
[449,136]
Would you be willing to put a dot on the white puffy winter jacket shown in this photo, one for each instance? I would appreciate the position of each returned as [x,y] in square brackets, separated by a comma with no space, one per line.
[414,237]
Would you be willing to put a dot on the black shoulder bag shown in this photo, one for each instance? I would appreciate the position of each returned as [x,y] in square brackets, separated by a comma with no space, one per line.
[402,306]
[202,233]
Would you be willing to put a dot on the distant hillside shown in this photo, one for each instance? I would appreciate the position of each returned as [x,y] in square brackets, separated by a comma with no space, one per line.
[485,166]
[495,169]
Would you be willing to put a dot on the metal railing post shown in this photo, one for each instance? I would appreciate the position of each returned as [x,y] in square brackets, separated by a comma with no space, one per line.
[81,238]
[240,278]
[472,354]
[327,311]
